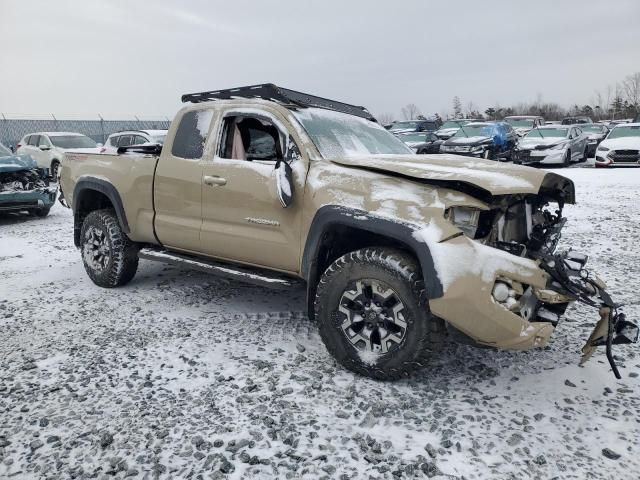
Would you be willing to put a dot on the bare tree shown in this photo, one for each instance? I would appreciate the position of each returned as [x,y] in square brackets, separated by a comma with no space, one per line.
[385,118]
[410,111]
[457,107]
[631,89]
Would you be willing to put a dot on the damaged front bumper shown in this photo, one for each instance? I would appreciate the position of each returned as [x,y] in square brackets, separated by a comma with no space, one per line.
[26,190]
[511,302]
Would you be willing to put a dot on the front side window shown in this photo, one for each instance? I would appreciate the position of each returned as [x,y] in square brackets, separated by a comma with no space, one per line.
[43,142]
[34,140]
[113,141]
[192,134]
[138,140]
[250,138]
[338,135]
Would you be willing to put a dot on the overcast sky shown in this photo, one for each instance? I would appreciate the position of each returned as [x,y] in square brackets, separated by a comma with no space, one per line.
[117,57]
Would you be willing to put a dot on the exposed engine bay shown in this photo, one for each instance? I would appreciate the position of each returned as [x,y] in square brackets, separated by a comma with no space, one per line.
[23,180]
[530,226]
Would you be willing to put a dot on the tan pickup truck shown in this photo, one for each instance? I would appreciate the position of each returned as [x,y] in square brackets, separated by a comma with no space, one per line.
[272,186]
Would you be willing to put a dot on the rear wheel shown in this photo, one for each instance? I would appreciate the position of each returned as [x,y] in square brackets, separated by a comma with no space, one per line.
[585,154]
[109,257]
[373,314]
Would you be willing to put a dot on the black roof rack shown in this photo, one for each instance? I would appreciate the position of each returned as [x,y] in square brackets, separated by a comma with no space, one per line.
[290,98]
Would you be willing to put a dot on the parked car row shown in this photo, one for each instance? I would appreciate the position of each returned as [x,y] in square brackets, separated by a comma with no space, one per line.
[48,148]
[530,140]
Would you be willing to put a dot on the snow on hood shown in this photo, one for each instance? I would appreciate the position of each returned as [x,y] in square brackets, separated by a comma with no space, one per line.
[447,131]
[531,142]
[16,163]
[623,143]
[494,177]
[468,140]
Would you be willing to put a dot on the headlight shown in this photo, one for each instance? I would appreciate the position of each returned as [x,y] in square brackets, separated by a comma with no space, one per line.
[603,149]
[477,148]
[562,146]
[465,218]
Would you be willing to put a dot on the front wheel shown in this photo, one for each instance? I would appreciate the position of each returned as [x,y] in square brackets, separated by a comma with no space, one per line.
[373,314]
[110,258]
[567,159]
[487,154]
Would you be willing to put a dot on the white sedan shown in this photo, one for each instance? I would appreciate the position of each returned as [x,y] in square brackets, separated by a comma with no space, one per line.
[552,144]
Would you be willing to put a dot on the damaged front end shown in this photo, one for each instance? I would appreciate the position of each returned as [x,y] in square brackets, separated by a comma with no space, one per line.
[532,284]
[24,186]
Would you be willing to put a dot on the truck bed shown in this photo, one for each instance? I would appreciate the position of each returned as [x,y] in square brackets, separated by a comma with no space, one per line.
[130,174]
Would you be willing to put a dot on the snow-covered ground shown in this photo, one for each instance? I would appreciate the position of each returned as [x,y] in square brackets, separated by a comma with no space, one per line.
[180,374]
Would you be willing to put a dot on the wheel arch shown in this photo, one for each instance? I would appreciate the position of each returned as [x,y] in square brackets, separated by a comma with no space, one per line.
[336,230]
[91,194]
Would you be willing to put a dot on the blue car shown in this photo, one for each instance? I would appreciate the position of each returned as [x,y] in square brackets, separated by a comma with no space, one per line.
[23,185]
[490,140]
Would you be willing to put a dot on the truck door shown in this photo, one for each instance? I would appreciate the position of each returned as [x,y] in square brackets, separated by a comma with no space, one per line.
[177,184]
[243,218]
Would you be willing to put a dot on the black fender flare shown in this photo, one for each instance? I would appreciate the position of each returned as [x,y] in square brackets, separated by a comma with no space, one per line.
[87,184]
[330,216]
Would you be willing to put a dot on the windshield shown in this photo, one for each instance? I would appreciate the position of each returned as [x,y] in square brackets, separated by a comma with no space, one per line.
[340,135]
[592,128]
[404,125]
[72,141]
[414,137]
[451,124]
[4,151]
[520,122]
[620,132]
[548,132]
[475,131]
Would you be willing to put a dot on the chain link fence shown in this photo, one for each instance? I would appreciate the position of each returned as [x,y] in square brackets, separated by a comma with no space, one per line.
[13,129]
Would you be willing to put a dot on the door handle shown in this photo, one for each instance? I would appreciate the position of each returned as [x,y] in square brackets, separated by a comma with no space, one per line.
[214,180]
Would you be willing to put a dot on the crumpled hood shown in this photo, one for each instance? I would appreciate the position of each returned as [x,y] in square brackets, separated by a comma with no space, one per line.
[624,143]
[476,140]
[16,163]
[492,177]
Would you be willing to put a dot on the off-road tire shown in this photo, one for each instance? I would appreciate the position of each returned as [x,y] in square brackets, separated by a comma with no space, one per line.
[122,261]
[399,271]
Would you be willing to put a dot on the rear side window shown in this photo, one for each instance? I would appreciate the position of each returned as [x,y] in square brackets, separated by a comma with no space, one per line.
[192,134]
[34,139]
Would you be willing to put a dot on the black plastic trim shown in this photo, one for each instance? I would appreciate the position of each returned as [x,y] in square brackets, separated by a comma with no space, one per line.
[88,184]
[330,216]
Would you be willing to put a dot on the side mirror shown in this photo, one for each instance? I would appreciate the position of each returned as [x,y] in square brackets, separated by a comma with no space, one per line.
[44,147]
[284,183]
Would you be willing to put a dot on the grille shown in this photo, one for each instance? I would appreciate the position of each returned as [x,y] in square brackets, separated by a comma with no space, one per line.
[622,156]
